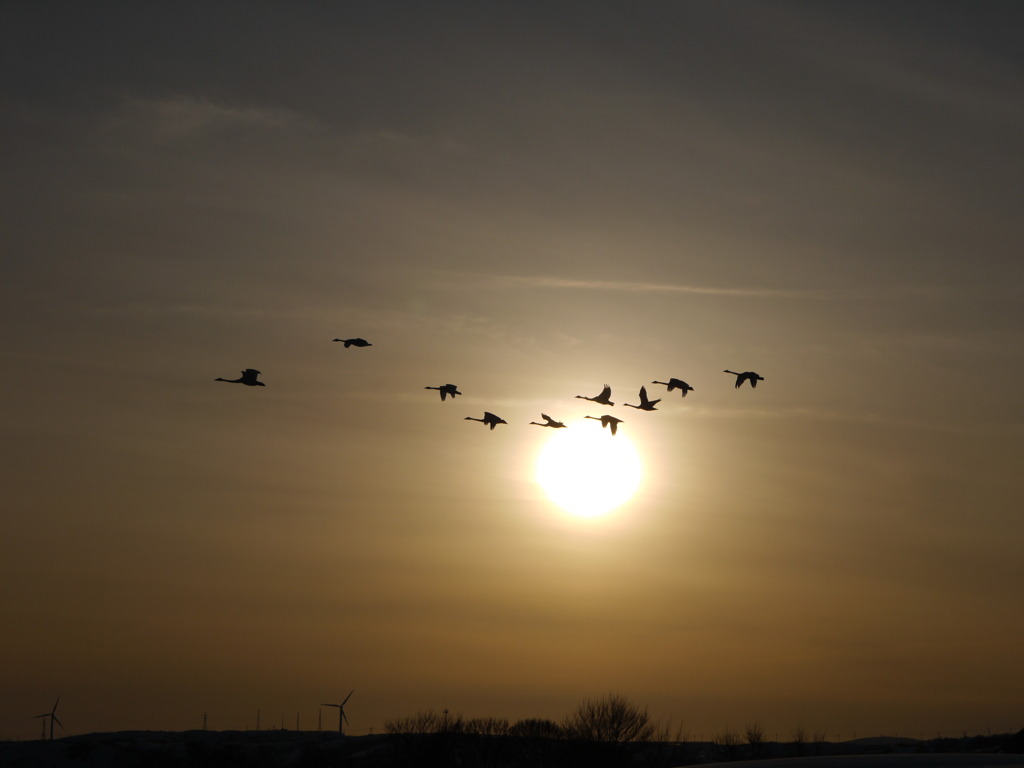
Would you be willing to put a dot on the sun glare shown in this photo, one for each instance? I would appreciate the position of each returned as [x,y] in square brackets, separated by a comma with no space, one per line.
[587,471]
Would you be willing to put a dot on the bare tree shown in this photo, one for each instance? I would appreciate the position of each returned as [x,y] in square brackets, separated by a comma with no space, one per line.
[798,738]
[819,741]
[426,721]
[612,719]
[664,733]
[487,726]
[755,738]
[536,728]
[727,744]
[668,748]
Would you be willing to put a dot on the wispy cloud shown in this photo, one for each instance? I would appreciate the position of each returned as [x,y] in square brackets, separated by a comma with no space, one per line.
[901,291]
[185,118]
[159,309]
[624,286]
[888,420]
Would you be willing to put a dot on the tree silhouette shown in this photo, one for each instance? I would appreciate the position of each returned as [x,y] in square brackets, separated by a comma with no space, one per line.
[727,744]
[799,739]
[536,728]
[755,738]
[612,719]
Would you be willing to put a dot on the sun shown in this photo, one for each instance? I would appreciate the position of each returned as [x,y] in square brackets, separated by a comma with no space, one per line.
[587,471]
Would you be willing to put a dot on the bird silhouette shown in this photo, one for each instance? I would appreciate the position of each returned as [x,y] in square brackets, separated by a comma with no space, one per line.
[606,421]
[645,403]
[445,390]
[354,342]
[605,398]
[489,419]
[248,378]
[676,384]
[750,376]
[549,422]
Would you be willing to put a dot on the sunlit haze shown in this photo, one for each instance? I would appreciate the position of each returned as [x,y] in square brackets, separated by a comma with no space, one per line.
[529,201]
[587,471]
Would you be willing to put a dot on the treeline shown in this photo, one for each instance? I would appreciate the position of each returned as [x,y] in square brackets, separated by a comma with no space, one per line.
[612,719]
[604,732]
[612,731]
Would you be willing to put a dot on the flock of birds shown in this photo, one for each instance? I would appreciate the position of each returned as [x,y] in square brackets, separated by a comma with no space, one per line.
[250,376]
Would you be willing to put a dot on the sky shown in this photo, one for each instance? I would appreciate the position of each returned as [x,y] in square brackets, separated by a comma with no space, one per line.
[529,200]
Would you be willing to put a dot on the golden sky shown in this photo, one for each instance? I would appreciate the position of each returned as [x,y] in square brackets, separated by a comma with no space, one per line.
[529,200]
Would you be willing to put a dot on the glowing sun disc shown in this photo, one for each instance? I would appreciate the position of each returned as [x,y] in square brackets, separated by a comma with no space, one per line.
[587,471]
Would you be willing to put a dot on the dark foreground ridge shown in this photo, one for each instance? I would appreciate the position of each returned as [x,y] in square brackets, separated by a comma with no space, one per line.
[319,749]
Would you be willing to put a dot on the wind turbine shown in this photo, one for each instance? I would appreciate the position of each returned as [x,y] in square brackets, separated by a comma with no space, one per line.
[52,714]
[341,710]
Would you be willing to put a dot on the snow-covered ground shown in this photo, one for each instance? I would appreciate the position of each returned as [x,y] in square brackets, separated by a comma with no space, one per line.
[295,749]
[949,760]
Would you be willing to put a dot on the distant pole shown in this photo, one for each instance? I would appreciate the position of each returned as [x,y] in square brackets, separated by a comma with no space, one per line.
[319,719]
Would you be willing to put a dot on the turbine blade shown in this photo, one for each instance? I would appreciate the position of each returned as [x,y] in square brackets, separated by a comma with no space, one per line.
[344,716]
[57,721]
[348,697]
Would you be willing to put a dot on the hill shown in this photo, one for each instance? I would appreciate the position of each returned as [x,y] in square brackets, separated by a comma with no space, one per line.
[318,749]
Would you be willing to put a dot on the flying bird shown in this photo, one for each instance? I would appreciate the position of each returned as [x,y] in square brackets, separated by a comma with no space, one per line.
[248,378]
[354,342]
[750,376]
[676,384]
[645,403]
[549,422]
[445,390]
[606,421]
[489,419]
[605,398]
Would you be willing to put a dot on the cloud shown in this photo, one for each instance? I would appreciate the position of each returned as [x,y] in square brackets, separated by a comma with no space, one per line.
[874,293]
[160,309]
[624,286]
[887,420]
[185,118]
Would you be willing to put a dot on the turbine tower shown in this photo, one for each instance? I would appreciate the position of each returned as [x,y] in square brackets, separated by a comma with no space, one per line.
[342,718]
[52,714]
